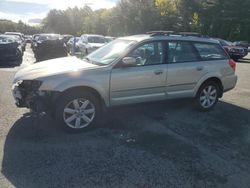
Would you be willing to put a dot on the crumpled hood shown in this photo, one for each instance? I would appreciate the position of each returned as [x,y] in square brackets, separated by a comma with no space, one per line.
[51,67]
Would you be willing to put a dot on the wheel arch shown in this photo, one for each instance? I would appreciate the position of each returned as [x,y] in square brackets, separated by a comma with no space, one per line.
[83,88]
[215,80]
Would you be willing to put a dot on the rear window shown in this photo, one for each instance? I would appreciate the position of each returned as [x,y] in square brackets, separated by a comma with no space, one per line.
[210,51]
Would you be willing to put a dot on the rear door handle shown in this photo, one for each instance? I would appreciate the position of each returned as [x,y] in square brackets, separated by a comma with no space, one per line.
[158,72]
[200,68]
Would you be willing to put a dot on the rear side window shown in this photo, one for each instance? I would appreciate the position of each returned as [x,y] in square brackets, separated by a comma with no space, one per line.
[181,51]
[210,51]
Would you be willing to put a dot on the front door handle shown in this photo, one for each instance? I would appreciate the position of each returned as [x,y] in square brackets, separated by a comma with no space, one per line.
[200,68]
[158,72]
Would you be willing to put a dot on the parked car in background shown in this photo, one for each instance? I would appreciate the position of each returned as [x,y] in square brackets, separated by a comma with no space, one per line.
[109,39]
[34,41]
[235,52]
[243,44]
[28,38]
[66,38]
[70,45]
[10,50]
[21,39]
[89,43]
[49,46]
[128,70]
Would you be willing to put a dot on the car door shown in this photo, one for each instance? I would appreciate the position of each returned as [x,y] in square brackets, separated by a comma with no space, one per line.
[143,81]
[185,69]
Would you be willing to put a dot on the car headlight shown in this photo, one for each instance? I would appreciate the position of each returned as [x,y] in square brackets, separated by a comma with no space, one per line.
[30,84]
[231,50]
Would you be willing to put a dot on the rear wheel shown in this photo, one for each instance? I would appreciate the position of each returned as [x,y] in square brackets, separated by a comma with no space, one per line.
[207,96]
[78,111]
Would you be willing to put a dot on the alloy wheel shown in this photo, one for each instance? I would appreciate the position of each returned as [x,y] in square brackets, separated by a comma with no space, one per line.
[208,96]
[79,113]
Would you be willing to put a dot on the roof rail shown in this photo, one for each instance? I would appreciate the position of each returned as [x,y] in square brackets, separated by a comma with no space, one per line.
[190,34]
[160,33]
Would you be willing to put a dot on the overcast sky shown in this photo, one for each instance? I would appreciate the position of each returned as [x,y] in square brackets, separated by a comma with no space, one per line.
[32,9]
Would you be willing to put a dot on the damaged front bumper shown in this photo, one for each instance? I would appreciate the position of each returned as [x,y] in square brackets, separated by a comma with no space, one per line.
[27,95]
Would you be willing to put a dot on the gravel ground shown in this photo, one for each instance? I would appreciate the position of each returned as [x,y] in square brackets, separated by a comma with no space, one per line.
[163,144]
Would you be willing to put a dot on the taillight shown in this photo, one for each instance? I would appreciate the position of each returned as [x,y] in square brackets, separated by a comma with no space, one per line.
[232,64]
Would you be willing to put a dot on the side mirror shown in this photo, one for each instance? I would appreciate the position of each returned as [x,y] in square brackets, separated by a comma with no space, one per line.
[129,61]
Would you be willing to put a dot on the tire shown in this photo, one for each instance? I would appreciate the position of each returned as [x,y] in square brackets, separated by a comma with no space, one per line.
[78,111]
[206,102]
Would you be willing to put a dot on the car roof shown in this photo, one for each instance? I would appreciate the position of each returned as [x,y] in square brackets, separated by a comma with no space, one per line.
[11,36]
[149,37]
[92,35]
[8,36]
[13,33]
[48,34]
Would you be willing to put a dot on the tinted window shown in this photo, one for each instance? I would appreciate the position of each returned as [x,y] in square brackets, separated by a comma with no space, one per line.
[148,54]
[48,37]
[96,39]
[225,43]
[210,51]
[180,51]
[5,39]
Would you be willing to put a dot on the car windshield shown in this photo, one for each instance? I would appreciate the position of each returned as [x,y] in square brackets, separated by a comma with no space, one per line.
[48,37]
[108,53]
[16,38]
[226,43]
[6,39]
[96,39]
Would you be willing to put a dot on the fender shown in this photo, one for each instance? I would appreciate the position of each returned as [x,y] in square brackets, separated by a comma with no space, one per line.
[204,78]
[85,83]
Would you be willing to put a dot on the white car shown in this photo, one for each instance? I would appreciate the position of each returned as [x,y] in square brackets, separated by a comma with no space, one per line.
[128,70]
[89,43]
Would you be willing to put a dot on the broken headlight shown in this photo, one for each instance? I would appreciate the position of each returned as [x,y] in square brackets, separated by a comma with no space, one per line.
[30,84]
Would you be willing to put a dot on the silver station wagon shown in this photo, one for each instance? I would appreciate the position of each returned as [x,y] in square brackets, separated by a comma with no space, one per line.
[128,70]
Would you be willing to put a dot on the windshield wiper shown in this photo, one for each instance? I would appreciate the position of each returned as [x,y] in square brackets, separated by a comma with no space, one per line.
[88,60]
[92,62]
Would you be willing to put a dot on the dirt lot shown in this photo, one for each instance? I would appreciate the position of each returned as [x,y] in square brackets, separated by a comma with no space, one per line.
[164,144]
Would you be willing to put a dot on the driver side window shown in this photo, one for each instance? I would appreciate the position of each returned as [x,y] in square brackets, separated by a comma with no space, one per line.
[148,54]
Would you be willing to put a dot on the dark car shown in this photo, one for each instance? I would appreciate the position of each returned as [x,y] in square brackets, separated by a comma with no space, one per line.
[28,38]
[20,38]
[34,41]
[243,44]
[10,49]
[49,46]
[235,52]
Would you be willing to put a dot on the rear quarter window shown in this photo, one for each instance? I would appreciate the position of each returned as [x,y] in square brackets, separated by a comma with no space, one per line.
[209,51]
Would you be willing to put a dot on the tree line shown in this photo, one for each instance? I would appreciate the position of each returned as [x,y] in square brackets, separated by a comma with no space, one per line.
[7,25]
[228,19]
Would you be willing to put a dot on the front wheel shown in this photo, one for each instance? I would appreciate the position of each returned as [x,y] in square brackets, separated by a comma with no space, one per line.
[78,111]
[207,96]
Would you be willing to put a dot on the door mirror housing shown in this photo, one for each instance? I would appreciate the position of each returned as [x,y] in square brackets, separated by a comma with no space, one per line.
[129,61]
